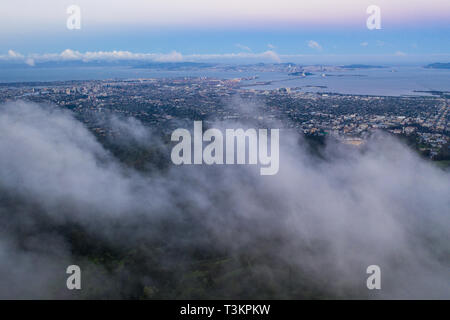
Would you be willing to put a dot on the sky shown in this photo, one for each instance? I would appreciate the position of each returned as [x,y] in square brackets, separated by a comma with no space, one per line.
[411,31]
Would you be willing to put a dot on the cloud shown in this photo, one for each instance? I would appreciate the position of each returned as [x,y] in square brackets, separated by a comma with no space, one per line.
[314,45]
[14,55]
[73,55]
[400,53]
[30,62]
[272,55]
[69,54]
[174,56]
[324,221]
[271,46]
[268,55]
[364,44]
[240,46]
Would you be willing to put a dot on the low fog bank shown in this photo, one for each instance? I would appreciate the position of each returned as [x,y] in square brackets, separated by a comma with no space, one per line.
[214,231]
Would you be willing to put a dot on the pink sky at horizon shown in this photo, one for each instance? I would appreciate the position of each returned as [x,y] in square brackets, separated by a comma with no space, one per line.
[21,14]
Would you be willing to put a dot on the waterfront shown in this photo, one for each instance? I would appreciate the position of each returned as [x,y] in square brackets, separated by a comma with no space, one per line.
[389,81]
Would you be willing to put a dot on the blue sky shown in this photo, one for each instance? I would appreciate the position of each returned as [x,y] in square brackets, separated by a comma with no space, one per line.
[317,31]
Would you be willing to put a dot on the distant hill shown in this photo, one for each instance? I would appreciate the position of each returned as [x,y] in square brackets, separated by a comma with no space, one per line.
[361,66]
[438,65]
[175,65]
[300,73]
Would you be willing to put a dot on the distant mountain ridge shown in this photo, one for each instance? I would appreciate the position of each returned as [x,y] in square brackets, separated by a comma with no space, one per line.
[361,66]
[438,65]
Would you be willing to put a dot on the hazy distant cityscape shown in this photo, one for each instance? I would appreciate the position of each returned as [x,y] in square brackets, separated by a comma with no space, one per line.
[350,118]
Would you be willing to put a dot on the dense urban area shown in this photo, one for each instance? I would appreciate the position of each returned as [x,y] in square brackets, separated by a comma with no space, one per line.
[422,120]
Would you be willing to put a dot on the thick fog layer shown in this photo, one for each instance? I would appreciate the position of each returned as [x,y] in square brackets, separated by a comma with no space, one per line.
[327,219]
